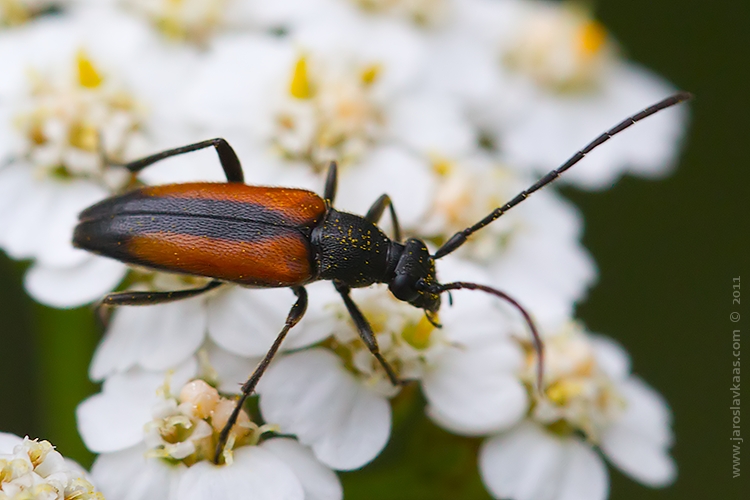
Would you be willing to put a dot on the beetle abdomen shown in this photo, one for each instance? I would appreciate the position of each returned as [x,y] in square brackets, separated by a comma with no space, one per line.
[254,236]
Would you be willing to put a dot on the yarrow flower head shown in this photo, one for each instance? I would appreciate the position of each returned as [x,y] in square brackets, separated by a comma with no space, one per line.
[34,469]
[561,48]
[174,436]
[589,401]
[330,113]
[549,65]
[77,127]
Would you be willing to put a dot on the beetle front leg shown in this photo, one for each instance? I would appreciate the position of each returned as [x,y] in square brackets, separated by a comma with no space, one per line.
[228,158]
[365,332]
[376,212]
[295,314]
[329,193]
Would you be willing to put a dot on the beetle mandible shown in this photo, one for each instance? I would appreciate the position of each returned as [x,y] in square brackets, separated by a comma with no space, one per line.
[267,237]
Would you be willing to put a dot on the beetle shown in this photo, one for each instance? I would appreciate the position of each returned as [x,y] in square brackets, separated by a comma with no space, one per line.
[266,237]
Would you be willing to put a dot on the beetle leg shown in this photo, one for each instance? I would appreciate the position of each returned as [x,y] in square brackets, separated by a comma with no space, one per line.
[228,158]
[376,212]
[365,332]
[147,298]
[329,193]
[295,314]
[150,298]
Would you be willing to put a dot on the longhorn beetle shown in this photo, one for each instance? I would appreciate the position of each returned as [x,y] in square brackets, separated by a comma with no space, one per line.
[266,237]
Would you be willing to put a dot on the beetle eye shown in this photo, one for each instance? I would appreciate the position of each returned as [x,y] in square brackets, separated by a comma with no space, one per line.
[402,287]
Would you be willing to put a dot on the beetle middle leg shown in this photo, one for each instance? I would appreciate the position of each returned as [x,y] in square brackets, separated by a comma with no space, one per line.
[228,158]
[295,314]
[376,212]
[365,332]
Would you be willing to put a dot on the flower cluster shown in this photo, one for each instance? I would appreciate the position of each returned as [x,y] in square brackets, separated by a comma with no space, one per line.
[451,108]
[34,469]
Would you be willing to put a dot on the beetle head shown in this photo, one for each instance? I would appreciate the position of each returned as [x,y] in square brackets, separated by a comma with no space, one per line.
[415,278]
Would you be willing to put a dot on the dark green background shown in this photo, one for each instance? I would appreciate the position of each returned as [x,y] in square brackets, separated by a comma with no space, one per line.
[667,252]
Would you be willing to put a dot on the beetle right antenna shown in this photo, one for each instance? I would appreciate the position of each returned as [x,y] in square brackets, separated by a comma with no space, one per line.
[460,237]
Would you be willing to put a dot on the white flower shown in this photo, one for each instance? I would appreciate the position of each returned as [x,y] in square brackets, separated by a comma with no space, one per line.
[533,252]
[240,320]
[335,398]
[318,95]
[34,469]
[590,401]
[544,79]
[70,98]
[157,441]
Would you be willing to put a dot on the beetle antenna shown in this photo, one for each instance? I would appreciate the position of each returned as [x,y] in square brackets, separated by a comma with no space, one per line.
[460,237]
[537,340]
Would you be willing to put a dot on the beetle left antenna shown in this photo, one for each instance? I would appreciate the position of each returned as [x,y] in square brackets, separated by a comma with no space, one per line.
[460,237]
[537,340]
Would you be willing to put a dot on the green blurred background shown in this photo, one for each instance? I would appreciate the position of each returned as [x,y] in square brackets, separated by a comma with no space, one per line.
[667,252]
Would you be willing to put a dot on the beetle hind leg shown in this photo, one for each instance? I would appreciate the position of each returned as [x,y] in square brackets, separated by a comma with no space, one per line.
[295,314]
[146,299]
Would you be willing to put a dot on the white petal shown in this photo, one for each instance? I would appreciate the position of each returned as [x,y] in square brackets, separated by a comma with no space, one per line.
[528,463]
[646,411]
[411,195]
[32,207]
[129,475]
[474,390]
[584,475]
[154,337]
[432,124]
[69,200]
[231,369]
[544,135]
[8,442]
[639,458]
[611,356]
[113,419]
[521,464]
[246,322]
[256,474]
[74,286]
[638,442]
[318,481]
[310,394]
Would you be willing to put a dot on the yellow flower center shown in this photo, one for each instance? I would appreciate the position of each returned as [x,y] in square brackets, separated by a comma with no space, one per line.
[186,427]
[561,48]
[329,114]
[183,20]
[420,12]
[578,394]
[406,338]
[74,127]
